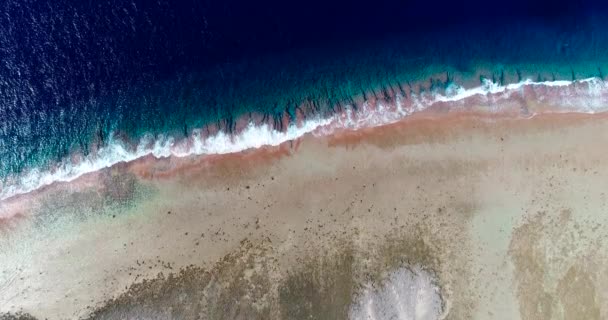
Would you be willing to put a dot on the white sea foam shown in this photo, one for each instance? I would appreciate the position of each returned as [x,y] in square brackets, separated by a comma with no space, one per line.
[585,96]
[162,146]
[406,294]
[588,95]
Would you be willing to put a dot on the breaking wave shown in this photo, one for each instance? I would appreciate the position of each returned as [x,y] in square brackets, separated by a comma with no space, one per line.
[587,95]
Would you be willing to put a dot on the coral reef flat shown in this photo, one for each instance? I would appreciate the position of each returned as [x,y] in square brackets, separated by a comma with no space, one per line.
[479,216]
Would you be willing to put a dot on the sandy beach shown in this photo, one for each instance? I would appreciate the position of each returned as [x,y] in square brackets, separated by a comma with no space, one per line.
[504,215]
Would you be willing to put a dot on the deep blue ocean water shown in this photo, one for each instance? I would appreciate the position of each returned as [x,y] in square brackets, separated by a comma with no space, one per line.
[73,72]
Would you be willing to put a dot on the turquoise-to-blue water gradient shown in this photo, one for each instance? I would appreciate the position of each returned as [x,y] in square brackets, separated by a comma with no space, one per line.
[72,73]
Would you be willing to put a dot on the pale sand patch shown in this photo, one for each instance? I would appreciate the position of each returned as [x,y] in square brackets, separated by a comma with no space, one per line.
[459,195]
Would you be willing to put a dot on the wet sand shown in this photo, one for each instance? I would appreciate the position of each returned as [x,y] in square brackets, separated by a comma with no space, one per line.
[505,214]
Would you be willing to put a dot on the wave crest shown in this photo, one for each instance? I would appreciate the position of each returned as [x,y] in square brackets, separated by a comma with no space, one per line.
[587,95]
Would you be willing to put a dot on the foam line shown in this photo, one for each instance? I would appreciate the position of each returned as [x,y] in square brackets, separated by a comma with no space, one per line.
[587,95]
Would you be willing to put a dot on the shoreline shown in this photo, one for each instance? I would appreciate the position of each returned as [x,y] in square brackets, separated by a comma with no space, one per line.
[255,131]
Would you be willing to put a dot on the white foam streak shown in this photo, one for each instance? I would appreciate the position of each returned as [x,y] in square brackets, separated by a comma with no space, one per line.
[588,95]
[585,96]
[492,88]
[160,147]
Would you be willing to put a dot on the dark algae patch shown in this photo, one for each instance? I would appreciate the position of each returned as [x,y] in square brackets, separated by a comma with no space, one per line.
[16,316]
[250,284]
[234,289]
[322,289]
